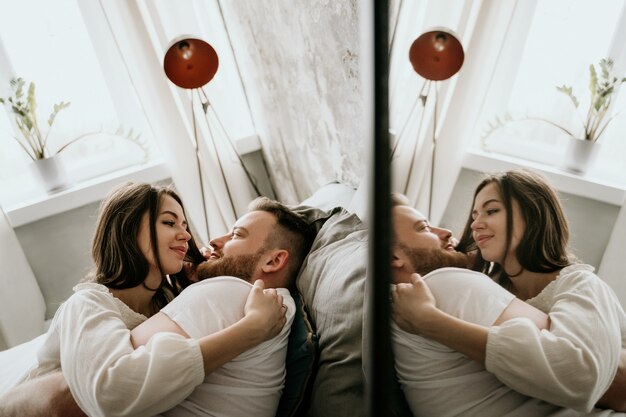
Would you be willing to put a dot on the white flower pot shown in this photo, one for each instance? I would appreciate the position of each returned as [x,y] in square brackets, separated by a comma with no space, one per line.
[51,173]
[580,155]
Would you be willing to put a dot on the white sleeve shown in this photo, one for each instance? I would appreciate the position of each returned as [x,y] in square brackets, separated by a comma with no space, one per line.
[573,363]
[106,376]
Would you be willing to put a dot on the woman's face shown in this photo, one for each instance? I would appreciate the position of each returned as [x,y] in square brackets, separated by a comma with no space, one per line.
[171,235]
[489,227]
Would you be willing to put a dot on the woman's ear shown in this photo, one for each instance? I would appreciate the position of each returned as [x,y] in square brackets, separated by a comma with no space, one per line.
[276,260]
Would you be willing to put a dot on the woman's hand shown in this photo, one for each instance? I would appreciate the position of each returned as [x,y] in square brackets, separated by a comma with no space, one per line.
[264,311]
[414,306]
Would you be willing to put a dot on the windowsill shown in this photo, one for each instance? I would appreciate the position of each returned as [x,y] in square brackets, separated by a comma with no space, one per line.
[584,186]
[82,193]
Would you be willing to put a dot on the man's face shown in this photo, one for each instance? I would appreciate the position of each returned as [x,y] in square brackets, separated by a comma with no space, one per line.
[412,229]
[424,247]
[239,252]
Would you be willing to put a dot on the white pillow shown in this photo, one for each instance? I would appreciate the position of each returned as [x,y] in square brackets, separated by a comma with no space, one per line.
[22,306]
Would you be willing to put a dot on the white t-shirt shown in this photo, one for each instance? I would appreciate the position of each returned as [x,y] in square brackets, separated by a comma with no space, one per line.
[250,384]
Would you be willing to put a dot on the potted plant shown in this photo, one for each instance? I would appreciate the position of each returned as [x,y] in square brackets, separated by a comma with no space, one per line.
[34,142]
[582,148]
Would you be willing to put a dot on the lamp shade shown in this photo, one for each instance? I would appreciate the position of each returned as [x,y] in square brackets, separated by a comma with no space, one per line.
[436,55]
[190,63]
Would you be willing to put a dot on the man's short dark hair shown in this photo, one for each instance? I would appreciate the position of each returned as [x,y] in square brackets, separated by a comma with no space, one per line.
[398,199]
[292,233]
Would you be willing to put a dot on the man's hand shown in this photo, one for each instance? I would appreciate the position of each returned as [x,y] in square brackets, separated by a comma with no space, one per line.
[46,396]
[615,397]
[413,305]
[264,311]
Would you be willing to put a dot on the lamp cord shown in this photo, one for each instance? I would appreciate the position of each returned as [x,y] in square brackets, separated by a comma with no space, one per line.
[229,140]
[197,149]
[219,161]
[420,96]
[432,162]
[424,98]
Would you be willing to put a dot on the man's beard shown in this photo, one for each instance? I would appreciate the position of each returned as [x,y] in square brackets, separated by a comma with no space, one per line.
[239,266]
[427,260]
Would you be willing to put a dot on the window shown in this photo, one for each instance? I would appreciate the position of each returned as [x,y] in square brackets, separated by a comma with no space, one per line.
[564,38]
[48,43]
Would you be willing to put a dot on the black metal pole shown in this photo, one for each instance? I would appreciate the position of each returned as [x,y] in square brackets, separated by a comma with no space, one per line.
[379,273]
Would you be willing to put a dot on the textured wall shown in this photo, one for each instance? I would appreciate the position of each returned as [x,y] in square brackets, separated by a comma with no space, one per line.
[300,68]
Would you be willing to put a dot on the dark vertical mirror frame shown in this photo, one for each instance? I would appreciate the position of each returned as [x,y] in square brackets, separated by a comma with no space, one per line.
[378,393]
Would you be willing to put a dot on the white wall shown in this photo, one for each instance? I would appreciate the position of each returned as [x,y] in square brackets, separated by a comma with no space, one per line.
[612,268]
[59,252]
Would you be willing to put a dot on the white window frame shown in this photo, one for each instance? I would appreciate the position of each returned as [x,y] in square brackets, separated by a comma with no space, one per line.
[499,95]
[24,210]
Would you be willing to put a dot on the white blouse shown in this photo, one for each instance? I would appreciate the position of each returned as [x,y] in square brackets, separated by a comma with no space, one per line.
[89,339]
[573,363]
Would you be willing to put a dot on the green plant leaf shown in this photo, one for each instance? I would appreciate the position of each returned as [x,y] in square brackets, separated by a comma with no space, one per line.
[568,91]
[593,81]
[55,110]
[30,98]
[606,65]
[18,86]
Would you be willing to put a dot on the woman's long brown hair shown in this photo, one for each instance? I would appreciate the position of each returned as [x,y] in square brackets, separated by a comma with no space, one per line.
[543,246]
[119,262]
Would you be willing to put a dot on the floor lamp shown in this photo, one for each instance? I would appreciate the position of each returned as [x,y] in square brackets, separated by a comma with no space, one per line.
[191,63]
[435,55]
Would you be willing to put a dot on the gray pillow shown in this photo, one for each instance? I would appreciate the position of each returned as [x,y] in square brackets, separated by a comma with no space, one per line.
[302,350]
[331,282]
